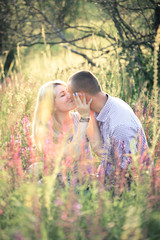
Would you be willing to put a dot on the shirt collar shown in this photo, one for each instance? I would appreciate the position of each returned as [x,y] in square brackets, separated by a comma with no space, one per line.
[102,116]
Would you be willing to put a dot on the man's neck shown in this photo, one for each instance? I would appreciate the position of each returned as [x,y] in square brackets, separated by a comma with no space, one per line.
[98,102]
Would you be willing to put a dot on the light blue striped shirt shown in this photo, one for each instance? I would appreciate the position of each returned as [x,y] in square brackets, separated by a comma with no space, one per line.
[121,131]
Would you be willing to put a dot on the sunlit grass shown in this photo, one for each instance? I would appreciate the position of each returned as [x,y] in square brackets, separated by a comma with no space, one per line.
[34,203]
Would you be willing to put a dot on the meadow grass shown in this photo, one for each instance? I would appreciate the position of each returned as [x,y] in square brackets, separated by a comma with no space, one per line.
[34,202]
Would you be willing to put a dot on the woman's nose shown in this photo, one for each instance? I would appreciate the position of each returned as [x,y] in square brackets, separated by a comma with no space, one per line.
[68,95]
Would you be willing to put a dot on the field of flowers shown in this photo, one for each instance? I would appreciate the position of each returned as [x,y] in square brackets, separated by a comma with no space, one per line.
[34,202]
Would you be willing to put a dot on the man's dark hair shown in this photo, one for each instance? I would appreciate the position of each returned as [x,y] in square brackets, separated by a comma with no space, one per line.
[84,81]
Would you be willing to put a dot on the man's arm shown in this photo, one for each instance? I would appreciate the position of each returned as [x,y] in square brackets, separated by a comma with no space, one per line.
[124,143]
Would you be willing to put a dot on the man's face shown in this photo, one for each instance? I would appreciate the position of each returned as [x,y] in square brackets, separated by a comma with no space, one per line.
[69,88]
[80,93]
[70,91]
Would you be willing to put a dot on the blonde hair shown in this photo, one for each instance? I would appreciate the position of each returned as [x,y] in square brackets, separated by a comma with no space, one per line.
[44,114]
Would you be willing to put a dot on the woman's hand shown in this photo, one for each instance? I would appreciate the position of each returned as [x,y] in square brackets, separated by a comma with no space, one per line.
[82,106]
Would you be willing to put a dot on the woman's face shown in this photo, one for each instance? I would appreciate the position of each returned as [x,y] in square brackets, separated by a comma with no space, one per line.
[63,101]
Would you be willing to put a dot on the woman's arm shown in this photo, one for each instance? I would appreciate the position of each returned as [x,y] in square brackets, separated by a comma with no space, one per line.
[83,109]
[94,136]
[88,126]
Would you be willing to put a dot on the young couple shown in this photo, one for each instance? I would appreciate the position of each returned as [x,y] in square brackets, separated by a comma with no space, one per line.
[101,121]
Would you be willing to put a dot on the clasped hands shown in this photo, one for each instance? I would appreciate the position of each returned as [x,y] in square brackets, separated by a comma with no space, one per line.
[82,106]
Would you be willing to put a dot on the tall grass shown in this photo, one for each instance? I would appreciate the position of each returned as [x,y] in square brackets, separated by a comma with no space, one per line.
[38,203]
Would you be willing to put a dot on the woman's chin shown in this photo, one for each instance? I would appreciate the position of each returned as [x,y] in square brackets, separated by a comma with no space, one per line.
[72,108]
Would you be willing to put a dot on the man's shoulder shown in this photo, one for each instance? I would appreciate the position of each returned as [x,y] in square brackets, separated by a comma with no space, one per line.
[120,112]
[120,104]
[115,111]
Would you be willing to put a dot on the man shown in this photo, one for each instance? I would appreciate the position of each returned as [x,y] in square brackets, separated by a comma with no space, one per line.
[121,131]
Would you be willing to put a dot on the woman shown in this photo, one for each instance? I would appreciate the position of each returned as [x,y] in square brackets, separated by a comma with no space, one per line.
[55,122]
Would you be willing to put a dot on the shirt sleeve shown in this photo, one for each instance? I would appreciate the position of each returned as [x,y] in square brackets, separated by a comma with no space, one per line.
[124,143]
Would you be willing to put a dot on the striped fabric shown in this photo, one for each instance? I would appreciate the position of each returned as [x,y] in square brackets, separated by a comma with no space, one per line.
[122,133]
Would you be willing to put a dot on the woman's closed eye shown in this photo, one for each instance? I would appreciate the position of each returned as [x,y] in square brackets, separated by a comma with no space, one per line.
[63,93]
